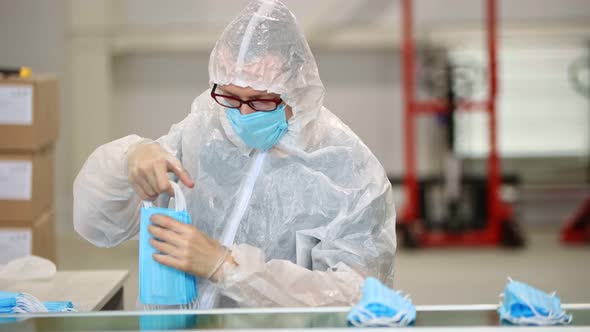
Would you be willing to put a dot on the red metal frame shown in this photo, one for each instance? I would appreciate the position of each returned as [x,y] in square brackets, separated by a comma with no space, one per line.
[498,211]
[577,228]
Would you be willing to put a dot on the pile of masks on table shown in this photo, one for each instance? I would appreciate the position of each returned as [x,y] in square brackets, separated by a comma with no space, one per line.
[381,306]
[29,268]
[20,303]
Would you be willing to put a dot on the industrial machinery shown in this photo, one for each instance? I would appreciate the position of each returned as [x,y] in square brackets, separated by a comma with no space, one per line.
[474,213]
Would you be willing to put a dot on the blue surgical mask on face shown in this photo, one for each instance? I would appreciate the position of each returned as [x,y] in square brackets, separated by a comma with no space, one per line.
[259,130]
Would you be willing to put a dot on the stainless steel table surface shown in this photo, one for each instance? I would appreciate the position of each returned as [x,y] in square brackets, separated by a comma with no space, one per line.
[429,318]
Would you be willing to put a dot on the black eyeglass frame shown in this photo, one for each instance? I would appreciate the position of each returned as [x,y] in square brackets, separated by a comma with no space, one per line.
[250,103]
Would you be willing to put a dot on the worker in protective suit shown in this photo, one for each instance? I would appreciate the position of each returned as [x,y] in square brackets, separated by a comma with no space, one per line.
[289,207]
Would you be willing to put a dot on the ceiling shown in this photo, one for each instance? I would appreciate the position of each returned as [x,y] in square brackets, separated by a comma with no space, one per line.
[189,24]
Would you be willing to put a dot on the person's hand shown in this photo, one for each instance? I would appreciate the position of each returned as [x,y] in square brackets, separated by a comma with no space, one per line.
[147,170]
[187,249]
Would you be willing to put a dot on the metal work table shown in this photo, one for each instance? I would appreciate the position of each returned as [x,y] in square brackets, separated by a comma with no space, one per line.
[89,290]
[429,318]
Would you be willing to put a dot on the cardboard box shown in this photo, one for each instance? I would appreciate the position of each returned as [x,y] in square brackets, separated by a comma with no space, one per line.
[29,117]
[18,239]
[26,184]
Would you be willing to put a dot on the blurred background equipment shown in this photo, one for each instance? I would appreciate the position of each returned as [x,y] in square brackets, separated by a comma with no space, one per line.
[23,72]
[472,210]
[577,227]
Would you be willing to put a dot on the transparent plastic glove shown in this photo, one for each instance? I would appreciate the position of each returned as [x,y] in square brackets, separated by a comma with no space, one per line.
[148,165]
[28,268]
[254,282]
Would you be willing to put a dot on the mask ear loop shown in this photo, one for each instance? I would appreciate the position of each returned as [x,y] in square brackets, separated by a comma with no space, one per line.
[551,317]
[369,319]
[179,199]
[539,319]
[26,303]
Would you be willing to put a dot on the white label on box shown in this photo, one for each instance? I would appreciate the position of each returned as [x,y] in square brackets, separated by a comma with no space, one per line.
[15,243]
[16,104]
[16,179]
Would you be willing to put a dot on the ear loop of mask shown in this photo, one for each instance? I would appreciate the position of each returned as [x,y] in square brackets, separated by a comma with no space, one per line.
[179,199]
[365,318]
[370,319]
[27,303]
[540,319]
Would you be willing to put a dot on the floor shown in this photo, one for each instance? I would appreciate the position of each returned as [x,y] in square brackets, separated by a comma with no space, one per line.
[448,276]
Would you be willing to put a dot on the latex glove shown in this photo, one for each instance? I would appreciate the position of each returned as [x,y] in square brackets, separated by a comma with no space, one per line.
[187,249]
[148,165]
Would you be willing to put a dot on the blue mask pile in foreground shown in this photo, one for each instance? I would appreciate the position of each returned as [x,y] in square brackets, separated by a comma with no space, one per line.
[18,303]
[526,305]
[381,306]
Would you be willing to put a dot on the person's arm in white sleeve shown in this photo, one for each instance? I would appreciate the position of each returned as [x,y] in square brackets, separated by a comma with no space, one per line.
[348,251]
[106,206]
[253,282]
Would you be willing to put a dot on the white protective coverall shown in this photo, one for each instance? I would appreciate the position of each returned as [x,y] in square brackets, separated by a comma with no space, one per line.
[313,216]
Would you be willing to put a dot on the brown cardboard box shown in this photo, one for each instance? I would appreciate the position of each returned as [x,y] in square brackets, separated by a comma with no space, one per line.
[18,238]
[29,117]
[26,184]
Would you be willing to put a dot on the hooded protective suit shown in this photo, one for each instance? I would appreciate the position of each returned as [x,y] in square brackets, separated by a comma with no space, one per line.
[308,219]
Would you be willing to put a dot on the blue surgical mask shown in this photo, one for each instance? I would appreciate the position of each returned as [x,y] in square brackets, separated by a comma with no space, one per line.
[526,305]
[7,302]
[17,303]
[381,306]
[59,306]
[161,286]
[259,130]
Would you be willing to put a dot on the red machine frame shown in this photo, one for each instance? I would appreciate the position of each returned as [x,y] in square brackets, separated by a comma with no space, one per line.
[577,228]
[498,211]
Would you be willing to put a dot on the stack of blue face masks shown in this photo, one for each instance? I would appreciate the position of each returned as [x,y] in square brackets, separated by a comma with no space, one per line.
[526,305]
[161,286]
[59,306]
[17,303]
[381,306]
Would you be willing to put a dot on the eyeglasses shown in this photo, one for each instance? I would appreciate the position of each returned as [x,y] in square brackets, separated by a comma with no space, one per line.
[259,105]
